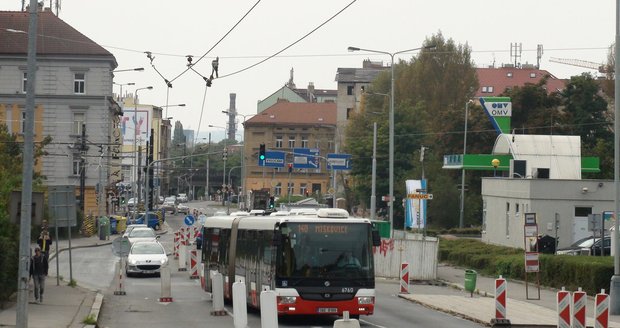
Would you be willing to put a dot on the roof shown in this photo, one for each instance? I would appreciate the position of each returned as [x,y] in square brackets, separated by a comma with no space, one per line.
[315,93]
[559,153]
[54,36]
[287,113]
[359,75]
[508,77]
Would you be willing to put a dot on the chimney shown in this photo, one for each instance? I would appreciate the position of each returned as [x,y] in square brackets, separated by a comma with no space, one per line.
[310,92]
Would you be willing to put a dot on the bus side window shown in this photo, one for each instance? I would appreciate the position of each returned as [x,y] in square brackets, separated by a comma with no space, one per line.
[266,238]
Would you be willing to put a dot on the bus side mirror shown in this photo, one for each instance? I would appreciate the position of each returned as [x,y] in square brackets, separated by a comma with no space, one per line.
[376,239]
[277,238]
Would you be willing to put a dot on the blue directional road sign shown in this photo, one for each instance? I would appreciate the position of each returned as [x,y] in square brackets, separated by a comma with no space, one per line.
[339,161]
[189,220]
[272,159]
[305,158]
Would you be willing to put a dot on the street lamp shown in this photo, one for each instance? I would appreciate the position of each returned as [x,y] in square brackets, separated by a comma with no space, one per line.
[166,107]
[138,69]
[391,125]
[135,140]
[495,163]
[461,215]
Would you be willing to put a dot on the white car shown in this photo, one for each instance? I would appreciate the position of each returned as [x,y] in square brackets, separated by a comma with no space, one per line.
[131,227]
[182,198]
[141,234]
[146,257]
[182,208]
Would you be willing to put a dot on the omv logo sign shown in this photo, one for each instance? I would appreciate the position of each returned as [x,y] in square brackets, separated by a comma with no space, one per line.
[499,108]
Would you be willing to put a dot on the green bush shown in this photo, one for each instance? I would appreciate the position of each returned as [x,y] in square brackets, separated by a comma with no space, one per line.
[592,273]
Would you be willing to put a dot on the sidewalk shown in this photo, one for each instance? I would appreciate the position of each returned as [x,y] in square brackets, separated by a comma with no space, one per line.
[481,307]
[63,305]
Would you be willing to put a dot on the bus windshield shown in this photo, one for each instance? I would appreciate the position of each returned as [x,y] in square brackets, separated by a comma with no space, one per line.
[325,250]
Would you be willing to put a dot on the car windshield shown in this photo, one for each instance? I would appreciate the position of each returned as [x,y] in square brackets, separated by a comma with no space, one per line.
[147,248]
[141,233]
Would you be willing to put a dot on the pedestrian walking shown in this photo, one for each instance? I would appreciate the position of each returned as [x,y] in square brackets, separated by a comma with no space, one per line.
[38,272]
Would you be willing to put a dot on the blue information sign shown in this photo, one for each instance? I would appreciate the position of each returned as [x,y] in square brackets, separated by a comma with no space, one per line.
[305,158]
[339,161]
[272,159]
[189,220]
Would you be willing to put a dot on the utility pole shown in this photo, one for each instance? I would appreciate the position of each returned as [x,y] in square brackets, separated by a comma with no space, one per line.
[207,178]
[82,168]
[28,165]
[139,183]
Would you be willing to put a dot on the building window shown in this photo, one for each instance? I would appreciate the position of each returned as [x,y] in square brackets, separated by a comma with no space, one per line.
[507,220]
[75,167]
[330,145]
[278,189]
[24,82]
[517,211]
[349,113]
[349,90]
[490,89]
[23,122]
[509,74]
[278,141]
[78,121]
[303,188]
[304,141]
[79,82]
[291,142]
[290,188]
[487,89]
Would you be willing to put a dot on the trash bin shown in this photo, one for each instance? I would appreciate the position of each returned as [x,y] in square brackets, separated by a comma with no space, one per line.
[104,228]
[470,281]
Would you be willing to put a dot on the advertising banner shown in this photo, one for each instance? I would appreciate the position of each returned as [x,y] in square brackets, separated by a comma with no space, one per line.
[415,208]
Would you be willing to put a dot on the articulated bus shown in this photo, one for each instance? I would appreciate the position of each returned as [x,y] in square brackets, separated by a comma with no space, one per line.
[319,264]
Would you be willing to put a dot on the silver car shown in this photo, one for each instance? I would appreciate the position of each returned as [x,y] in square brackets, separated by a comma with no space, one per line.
[146,257]
[141,234]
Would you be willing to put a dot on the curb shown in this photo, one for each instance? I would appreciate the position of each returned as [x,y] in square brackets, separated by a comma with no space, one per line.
[95,309]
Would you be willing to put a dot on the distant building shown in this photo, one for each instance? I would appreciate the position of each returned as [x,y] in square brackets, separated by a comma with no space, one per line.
[494,81]
[284,127]
[291,93]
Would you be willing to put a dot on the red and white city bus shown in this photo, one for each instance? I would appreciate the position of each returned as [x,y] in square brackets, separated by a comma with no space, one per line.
[319,264]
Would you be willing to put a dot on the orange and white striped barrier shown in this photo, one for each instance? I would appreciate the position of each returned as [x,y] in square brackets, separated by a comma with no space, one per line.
[563,301]
[404,278]
[500,298]
[120,286]
[601,305]
[193,268]
[579,309]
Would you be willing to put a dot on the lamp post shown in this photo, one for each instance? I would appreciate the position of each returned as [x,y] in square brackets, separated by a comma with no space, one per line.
[495,163]
[135,140]
[373,193]
[167,106]
[461,214]
[391,126]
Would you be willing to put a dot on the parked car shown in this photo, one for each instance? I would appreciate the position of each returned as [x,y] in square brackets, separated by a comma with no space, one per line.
[131,203]
[141,234]
[182,208]
[146,257]
[587,246]
[131,227]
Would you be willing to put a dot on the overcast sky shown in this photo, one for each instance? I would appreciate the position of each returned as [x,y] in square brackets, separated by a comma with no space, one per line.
[173,29]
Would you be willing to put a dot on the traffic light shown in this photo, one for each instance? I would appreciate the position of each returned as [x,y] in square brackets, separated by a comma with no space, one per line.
[272,202]
[290,167]
[225,153]
[261,152]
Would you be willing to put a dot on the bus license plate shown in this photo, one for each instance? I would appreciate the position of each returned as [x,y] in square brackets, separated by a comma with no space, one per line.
[328,310]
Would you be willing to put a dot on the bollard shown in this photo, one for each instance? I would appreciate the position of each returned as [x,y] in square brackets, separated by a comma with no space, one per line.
[176,244]
[218,295]
[188,258]
[579,309]
[601,305]
[240,308]
[202,277]
[268,309]
[346,322]
[166,294]
[404,278]
[193,267]
[563,301]
[120,286]
[501,290]
[182,256]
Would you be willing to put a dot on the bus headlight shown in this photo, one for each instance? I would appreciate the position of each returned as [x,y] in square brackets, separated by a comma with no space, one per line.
[365,300]
[287,299]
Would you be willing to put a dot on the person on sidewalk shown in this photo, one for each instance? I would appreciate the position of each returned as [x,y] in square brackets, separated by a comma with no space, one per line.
[45,242]
[38,271]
